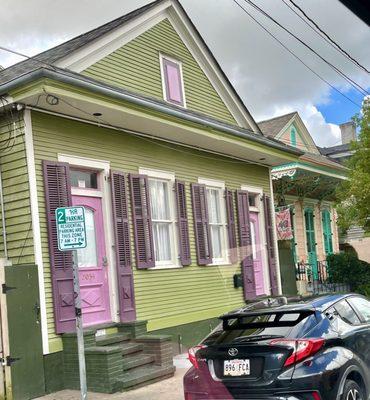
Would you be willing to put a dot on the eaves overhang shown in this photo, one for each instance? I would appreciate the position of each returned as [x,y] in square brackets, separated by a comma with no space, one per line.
[21,87]
[293,169]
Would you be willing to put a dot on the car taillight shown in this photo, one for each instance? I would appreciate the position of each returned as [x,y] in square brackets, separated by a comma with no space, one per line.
[192,354]
[302,348]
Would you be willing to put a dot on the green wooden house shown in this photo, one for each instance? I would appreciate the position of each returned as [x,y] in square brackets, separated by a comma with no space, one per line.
[135,121]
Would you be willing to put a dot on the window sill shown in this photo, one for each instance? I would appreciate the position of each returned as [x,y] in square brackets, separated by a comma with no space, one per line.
[219,264]
[165,267]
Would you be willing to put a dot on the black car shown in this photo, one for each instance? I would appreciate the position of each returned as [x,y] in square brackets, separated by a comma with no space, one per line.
[317,349]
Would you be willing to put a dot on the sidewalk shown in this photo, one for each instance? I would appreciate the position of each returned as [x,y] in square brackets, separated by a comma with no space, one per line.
[169,389]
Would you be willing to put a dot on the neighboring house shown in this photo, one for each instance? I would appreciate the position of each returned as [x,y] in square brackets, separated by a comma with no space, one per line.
[343,151]
[307,188]
[355,236]
[135,121]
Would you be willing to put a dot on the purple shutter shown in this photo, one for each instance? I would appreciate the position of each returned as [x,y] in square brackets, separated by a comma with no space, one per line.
[201,224]
[58,194]
[249,283]
[122,247]
[172,80]
[143,233]
[182,216]
[233,251]
[270,246]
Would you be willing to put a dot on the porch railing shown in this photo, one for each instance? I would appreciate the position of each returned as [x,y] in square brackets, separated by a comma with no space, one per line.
[318,281]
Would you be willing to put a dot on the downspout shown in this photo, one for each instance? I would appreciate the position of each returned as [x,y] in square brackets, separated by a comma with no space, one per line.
[3,224]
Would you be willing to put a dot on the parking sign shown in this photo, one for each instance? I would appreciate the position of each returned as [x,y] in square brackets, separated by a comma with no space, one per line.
[71,229]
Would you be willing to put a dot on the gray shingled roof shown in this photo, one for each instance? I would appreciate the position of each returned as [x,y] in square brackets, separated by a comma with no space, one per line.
[58,52]
[271,127]
[322,159]
[335,149]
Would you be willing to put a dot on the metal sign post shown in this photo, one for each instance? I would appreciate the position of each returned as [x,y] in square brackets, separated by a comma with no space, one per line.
[71,232]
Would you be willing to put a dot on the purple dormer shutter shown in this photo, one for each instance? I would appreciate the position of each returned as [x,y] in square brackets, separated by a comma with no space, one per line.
[122,247]
[182,216]
[233,251]
[201,224]
[249,283]
[58,194]
[270,246]
[143,233]
[172,80]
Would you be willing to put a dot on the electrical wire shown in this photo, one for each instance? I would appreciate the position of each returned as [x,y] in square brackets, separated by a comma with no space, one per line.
[354,84]
[27,57]
[325,35]
[294,55]
[322,36]
[12,127]
[153,140]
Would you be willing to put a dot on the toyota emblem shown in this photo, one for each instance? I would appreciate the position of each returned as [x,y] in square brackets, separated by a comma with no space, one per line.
[233,352]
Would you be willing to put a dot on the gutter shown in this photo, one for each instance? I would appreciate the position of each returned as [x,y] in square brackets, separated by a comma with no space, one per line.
[96,87]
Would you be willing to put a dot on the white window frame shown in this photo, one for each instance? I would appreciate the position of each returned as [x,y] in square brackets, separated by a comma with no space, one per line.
[164,89]
[170,178]
[258,191]
[220,185]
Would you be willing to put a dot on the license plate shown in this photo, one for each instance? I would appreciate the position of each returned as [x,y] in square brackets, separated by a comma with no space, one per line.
[236,367]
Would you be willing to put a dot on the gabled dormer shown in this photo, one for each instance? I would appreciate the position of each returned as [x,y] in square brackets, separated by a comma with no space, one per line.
[291,130]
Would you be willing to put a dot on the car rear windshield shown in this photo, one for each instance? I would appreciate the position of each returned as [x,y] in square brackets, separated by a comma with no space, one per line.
[256,327]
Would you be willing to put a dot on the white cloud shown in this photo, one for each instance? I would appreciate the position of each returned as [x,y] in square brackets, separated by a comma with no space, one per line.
[267,78]
[323,133]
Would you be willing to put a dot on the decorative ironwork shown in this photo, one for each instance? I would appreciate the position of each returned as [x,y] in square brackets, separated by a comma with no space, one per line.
[322,284]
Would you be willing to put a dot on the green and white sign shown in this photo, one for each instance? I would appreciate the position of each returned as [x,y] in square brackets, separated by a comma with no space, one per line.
[71,229]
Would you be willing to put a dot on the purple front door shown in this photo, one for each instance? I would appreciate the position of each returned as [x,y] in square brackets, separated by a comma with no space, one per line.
[92,264]
[257,253]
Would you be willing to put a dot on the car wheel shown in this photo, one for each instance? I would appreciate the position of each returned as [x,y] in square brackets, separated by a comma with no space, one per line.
[352,391]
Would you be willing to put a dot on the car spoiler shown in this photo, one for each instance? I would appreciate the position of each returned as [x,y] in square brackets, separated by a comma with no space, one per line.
[238,320]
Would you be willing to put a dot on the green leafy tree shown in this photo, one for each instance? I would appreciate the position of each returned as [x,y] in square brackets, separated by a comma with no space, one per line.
[353,195]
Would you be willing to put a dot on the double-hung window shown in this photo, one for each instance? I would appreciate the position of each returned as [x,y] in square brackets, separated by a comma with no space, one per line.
[163,213]
[217,220]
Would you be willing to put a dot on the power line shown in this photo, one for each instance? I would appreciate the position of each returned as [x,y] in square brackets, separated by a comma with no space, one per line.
[354,84]
[329,39]
[17,53]
[318,33]
[294,55]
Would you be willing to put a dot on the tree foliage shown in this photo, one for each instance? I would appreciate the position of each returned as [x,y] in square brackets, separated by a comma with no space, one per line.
[354,194]
[348,269]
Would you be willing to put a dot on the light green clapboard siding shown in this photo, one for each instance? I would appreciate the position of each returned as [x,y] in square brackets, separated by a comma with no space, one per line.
[136,67]
[16,193]
[164,297]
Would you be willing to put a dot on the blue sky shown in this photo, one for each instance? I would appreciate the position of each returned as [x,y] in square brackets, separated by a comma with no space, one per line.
[338,109]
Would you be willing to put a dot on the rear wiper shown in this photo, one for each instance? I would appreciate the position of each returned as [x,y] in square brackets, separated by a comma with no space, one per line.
[256,338]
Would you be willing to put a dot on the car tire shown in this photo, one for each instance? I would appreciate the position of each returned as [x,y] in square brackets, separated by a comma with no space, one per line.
[352,391]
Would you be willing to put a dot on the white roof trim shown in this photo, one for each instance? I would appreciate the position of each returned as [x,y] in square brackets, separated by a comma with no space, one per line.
[302,130]
[110,42]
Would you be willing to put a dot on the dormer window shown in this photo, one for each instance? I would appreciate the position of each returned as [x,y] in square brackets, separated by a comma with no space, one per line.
[172,81]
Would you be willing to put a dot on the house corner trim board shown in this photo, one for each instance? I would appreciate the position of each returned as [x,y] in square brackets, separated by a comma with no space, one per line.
[36,225]
[275,234]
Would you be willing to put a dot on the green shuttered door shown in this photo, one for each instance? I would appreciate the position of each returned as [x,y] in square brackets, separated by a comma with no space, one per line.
[326,228]
[311,242]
